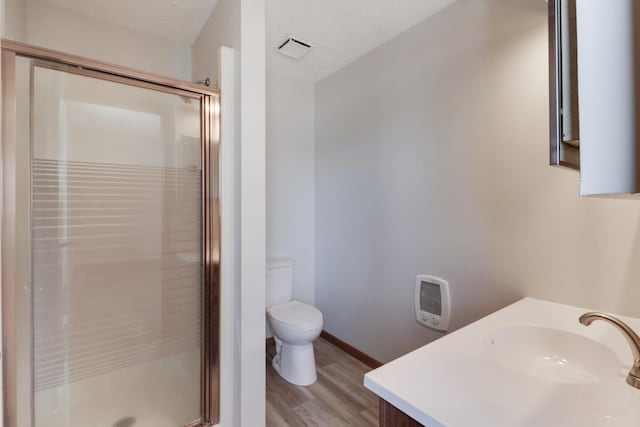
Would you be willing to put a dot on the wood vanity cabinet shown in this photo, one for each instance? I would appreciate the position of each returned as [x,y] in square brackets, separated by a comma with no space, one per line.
[390,416]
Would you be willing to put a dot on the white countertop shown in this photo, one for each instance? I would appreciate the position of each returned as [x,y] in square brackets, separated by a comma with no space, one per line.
[453,381]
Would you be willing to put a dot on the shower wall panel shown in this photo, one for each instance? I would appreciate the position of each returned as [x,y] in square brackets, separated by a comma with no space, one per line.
[116,256]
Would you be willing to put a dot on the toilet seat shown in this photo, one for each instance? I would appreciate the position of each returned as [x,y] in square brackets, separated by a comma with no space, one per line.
[295,314]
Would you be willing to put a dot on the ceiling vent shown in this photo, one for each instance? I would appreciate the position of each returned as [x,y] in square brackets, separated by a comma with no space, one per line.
[294,48]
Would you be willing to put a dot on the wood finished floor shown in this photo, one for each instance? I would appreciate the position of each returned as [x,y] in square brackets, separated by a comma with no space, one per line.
[337,399]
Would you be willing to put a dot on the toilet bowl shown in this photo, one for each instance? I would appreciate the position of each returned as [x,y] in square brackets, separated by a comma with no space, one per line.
[294,325]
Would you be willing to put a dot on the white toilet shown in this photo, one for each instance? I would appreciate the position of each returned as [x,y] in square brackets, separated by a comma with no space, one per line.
[294,325]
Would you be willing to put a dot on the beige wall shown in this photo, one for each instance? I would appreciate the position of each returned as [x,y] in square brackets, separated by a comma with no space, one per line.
[46,25]
[61,29]
[290,175]
[15,21]
[432,157]
[222,29]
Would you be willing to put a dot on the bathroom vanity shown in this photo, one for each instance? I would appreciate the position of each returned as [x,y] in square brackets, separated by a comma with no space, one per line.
[390,416]
[529,364]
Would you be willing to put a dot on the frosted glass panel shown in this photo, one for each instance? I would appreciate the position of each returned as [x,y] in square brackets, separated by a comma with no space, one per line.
[116,254]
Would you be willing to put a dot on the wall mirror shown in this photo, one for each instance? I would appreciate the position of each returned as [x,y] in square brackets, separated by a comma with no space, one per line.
[563,85]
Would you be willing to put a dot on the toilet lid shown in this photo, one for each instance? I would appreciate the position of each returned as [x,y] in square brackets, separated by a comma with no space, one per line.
[296,313]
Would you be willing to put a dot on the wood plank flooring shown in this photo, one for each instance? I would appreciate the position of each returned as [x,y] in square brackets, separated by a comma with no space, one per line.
[337,399]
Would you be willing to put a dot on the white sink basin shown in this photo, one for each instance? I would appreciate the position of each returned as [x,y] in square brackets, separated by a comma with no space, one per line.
[531,364]
[551,354]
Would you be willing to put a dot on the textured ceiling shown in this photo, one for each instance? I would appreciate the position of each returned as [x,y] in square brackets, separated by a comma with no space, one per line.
[340,30]
[158,18]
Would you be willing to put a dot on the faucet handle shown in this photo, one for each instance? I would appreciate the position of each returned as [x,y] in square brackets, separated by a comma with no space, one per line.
[633,379]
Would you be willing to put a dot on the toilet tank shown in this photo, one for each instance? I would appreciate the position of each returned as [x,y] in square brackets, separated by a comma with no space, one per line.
[279,280]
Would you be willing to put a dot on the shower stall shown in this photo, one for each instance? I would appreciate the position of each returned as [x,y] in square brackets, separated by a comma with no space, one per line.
[110,245]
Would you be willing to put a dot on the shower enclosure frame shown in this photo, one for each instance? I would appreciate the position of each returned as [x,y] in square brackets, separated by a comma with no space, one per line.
[209,99]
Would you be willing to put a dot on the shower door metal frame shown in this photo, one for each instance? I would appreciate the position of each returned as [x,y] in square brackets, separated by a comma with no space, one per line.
[210,215]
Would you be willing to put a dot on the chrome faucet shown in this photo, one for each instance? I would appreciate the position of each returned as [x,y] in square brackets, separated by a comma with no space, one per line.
[633,379]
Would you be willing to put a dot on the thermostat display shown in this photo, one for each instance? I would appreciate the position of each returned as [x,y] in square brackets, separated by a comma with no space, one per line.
[432,303]
[430,298]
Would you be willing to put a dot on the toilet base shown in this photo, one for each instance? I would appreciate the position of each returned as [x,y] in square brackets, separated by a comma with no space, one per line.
[295,363]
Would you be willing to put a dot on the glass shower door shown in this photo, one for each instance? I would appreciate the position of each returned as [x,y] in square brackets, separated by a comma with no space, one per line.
[111,242]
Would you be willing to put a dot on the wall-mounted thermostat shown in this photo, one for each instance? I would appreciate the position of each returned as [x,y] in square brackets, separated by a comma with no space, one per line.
[432,302]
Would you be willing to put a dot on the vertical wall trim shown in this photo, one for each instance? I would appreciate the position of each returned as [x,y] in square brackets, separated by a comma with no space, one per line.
[226,70]
[252,215]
